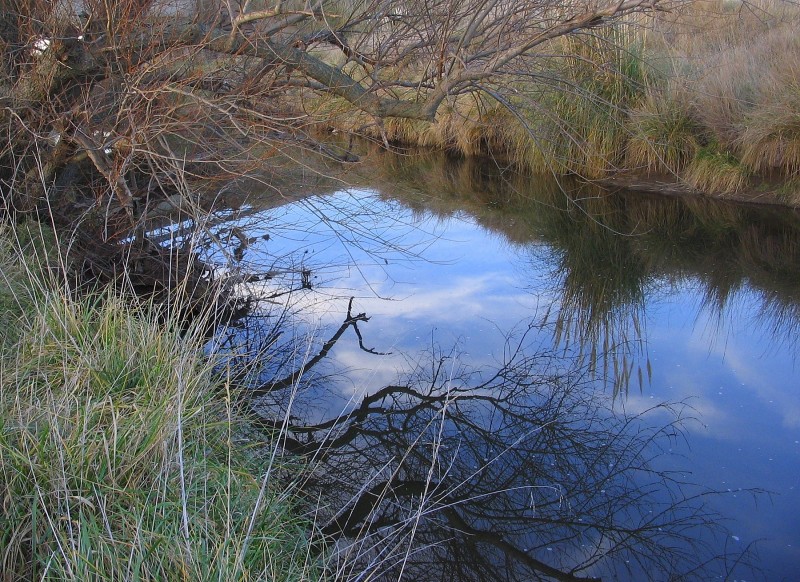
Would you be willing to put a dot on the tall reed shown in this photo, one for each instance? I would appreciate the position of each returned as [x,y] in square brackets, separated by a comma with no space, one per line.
[707,93]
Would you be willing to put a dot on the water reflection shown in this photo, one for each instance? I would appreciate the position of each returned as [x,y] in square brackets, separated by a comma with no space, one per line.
[608,287]
[519,472]
[608,252]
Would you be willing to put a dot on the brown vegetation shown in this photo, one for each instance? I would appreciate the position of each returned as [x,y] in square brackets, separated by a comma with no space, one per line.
[705,94]
[108,107]
[136,90]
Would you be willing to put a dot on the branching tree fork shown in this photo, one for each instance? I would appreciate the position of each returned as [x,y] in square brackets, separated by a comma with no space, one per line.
[106,104]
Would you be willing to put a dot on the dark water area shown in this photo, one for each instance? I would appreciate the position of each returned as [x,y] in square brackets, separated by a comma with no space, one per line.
[548,381]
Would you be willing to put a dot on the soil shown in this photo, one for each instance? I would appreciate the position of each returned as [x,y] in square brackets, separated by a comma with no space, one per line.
[766,192]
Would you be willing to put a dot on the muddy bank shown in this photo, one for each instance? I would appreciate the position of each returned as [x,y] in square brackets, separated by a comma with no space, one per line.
[770,193]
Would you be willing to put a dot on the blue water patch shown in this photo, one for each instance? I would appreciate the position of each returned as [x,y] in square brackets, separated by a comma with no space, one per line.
[444,282]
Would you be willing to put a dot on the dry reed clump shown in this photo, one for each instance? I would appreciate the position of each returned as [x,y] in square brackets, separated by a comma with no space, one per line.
[117,462]
[713,75]
[664,135]
[598,78]
[725,93]
[770,141]
[473,125]
[570,120]
[716,172]
[770,136]
[748,99]
[734,82]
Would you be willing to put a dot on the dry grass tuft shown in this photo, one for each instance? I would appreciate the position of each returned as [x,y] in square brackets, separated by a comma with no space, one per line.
[770,138]
[747,85]
[664,137]
[716,172]
[117,459]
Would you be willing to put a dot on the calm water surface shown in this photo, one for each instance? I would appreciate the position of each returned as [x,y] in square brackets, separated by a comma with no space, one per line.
[636,300]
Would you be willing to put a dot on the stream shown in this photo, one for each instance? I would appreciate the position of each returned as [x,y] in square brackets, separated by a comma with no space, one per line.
[549,381]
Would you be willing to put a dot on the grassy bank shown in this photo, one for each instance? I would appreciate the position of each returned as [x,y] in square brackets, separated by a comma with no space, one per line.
[706,95]
[119,460]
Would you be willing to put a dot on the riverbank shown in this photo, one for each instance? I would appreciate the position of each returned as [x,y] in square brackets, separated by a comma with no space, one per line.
[702,100]
[118,457]
[597,255]
[766,193]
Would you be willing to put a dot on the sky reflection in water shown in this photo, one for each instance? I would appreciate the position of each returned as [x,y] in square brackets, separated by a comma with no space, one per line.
[442,278]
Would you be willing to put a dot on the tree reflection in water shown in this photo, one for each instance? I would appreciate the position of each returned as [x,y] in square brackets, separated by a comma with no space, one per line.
[609,254]
[520,472]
